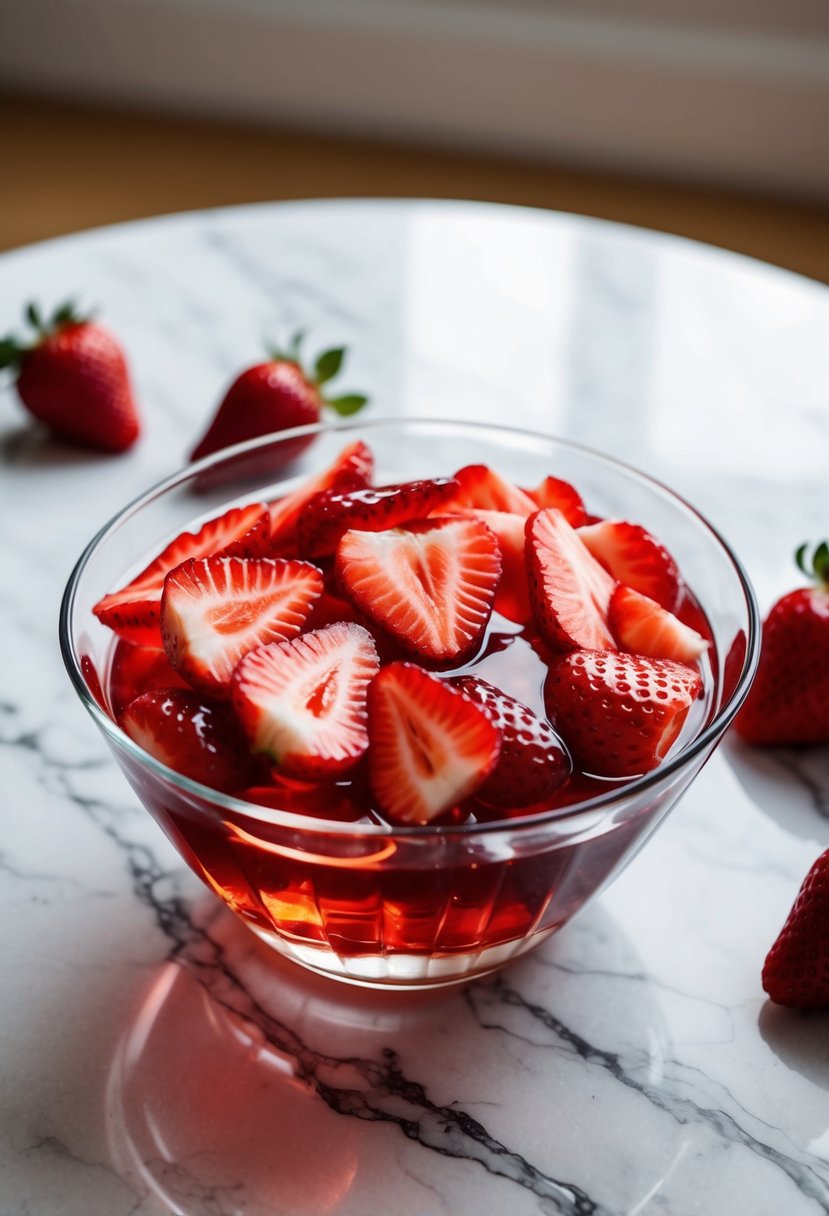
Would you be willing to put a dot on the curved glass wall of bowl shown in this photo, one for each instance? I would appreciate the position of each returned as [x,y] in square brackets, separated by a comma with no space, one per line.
[414,906]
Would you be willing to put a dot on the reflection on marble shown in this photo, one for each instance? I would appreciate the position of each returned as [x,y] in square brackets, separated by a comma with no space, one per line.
[155,1057]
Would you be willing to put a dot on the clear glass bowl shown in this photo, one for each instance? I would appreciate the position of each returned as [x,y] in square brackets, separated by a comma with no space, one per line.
[412,906]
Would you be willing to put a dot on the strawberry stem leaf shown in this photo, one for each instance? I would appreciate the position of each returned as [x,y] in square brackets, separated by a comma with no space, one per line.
[328,364]
[818,567]
[35,317]
[64,314]
[346,405]
[294,346]
[11,353]
[289,353]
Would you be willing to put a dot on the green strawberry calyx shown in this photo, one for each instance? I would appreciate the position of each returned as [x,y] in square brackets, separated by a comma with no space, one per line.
[13,349]
[816,567]
[326,367]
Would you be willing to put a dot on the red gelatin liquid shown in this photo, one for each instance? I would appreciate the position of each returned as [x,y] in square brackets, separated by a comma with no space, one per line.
[334,887]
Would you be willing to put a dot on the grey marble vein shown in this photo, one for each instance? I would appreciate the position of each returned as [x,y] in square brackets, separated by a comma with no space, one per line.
[811,1181]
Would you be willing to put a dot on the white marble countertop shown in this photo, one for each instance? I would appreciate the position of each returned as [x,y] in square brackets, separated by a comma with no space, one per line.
[154,1058]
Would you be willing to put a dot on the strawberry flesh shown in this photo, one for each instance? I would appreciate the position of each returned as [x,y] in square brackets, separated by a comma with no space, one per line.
[618,713]
[136,670]
[642,626]
[796,970]
[483,488]
[431,585]
[554,492]
[637,559]
[303,702]
[332,513]
[569,591]
[215,609]
[134,611]
[353,468]
[512,597]
[533,762]
[186,732]
[431,746]
[331,609]
[313,661]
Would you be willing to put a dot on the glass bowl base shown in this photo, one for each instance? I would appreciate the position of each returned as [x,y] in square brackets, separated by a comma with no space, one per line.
[401,970]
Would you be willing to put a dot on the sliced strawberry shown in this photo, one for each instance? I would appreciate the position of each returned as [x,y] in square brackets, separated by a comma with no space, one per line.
[512,598]
[480,486]
[431,747]
[430,585]
[330,609]
[533,762]
[642,626]
[136,670]
[303,702]
[133,612]
[635,558]
[215,609]
[329,515]
[553,492]
[569,590]
[199,740]
[93,681]
[619,713]
[353,468]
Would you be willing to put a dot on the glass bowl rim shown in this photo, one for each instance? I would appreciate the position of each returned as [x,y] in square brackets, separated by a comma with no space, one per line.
[294,820]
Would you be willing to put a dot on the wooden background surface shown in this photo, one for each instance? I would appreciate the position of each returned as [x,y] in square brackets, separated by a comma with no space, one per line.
[70,167]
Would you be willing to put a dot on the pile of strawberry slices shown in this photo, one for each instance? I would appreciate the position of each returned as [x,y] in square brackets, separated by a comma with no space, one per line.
[331,637]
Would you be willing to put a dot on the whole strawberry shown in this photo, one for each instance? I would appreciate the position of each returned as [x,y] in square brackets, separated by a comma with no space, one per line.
[788,702]
[275,396]
[796,970]
[73,377]
[619,713]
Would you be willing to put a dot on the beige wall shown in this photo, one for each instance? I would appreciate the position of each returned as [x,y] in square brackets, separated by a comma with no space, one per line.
[730,92]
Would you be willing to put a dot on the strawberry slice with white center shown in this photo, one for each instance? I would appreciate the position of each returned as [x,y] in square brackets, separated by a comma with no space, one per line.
[512,598]
[199,740]
[215,609]
[480,486]
[431,585]
[134,611]
[431,746]
[554,492]
[642,626]
[303,702]
[636,558]
[329,515]
[352,469]
[619,714]
[569,591]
